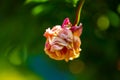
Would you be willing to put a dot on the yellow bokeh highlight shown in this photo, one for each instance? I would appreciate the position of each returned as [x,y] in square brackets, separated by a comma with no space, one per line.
[10,76]
[10,72]
[76,66]
[103,22]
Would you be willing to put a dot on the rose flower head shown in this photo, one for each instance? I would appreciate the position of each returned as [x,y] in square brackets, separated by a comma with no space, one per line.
[63,42]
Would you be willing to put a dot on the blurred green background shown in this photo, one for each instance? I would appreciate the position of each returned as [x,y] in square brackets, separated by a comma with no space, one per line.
[23,23]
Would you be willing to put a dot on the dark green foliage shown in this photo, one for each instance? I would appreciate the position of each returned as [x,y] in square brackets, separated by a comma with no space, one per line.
[23,23]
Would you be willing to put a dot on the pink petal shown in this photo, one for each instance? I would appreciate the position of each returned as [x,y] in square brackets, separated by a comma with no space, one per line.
[47,45]
[55,48]
[66,23]
[66,34]
[58,41]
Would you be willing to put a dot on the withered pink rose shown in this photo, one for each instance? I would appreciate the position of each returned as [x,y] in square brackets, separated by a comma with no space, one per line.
[63,42]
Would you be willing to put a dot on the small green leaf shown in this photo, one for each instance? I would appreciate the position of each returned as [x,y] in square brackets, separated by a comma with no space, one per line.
[41,9]
[114,19]
[37,1]
[38,9]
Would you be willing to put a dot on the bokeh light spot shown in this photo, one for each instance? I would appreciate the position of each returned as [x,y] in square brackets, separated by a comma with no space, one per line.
[118,9]
[76,66]
[103,22]
[114,19]
[14,57]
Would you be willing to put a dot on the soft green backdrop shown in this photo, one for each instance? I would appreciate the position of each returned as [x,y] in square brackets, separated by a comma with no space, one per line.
[23,23]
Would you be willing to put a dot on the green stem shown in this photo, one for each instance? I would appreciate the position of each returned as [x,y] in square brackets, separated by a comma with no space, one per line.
[78,13]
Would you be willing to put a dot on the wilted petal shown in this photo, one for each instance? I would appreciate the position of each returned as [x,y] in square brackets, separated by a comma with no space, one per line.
[66,34]
[48,33]
[57,55]
[47,45]
[55,48]
[76,42]
[77,30]
[56,29]
[58,41]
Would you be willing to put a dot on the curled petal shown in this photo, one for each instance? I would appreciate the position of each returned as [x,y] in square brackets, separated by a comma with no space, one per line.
[76,42]
[66,34]
[56,29]
[56,48]
[66,23]
[55,55]
[77,30]
[47,45]
[58,41]
[52,32]
[57,44]
[48,33]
